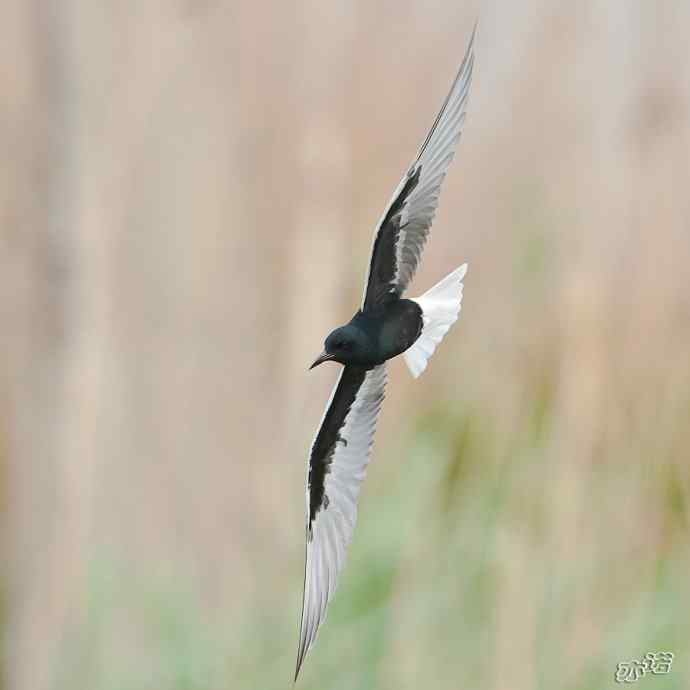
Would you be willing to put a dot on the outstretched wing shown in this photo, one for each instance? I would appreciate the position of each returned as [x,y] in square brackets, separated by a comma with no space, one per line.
[403,230]
[337,465]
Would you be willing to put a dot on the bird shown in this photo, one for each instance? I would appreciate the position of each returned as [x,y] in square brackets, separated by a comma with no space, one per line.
[385,325]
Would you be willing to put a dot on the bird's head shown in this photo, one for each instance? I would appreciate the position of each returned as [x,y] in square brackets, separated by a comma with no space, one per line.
[344,345]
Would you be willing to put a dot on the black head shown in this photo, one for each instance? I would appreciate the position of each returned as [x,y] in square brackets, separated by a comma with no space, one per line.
[344,345]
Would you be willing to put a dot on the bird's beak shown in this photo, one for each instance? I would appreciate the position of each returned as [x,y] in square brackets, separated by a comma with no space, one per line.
[323,357]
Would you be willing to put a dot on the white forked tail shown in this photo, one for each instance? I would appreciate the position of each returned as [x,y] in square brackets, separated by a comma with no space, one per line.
[440,310]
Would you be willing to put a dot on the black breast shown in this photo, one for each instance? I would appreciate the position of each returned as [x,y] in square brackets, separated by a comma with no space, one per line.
[388,330]
[401,325]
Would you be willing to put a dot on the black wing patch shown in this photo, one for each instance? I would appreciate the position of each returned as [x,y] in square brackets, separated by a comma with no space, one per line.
[329,436]
[384,265]
[398,245]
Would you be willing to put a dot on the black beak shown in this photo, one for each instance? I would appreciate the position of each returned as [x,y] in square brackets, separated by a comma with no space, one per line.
[323,357]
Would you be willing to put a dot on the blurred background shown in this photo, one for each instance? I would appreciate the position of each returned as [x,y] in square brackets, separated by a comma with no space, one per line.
[187,198]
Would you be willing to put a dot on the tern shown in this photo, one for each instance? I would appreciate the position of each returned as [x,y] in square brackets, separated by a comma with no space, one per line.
[386,325]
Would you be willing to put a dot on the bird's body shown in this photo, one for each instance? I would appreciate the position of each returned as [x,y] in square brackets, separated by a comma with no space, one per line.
[385,326]
[378,334]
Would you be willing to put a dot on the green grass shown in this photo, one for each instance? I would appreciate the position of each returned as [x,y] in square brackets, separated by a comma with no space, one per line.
[481,560]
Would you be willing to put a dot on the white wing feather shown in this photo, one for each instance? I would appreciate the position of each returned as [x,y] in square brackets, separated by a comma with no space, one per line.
[331,530]
[433,158]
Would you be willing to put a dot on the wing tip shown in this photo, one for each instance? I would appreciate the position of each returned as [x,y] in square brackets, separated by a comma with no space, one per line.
[464,76]
[304,644]
[300,659]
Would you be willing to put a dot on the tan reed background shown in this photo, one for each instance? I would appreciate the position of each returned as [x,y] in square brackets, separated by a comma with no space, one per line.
[187,196]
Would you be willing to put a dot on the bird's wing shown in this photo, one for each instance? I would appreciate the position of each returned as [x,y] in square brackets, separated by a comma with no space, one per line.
[337,465]
[404,227]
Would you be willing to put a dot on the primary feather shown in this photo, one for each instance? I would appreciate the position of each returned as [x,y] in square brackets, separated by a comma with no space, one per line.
[341,447]
[404,227]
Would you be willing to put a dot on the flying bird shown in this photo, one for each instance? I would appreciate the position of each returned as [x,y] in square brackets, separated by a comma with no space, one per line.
[386,325]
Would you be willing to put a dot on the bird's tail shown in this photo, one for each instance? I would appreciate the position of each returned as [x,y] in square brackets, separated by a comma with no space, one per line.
[440,310]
